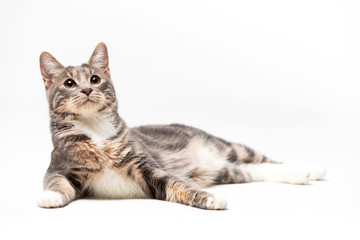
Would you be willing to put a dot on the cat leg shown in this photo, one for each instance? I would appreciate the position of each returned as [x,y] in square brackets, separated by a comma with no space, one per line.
[167,187]
[281,173]
[180,192]
[58,192]
[254,166]
[264,172]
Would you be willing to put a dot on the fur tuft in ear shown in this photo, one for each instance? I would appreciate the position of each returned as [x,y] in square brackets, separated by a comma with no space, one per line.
[100,58]
[49,66]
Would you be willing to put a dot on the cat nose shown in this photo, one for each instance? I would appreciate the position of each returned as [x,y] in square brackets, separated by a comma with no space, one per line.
[87,91]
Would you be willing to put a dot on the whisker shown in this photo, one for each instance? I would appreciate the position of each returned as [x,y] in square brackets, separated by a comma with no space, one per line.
[110,109]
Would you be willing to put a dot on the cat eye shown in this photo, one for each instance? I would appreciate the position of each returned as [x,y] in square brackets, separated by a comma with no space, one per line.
[95,80]
[69,84]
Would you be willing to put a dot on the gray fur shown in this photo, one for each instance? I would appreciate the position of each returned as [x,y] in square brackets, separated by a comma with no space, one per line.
[96,154]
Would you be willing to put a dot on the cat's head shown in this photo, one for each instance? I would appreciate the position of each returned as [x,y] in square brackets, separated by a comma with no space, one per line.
[82,90]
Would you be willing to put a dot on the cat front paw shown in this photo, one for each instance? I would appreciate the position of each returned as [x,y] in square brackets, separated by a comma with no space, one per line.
[216,203]
[51,199]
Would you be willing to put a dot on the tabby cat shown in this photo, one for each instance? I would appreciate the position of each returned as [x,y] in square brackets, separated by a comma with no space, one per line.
[96,155]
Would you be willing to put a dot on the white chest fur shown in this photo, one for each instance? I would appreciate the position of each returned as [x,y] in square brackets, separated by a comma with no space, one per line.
[113,185]
[98,128]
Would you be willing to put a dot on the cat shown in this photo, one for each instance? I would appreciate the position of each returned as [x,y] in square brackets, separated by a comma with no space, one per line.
[96,155]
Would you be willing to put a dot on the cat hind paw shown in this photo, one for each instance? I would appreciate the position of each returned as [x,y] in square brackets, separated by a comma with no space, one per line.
[317,173]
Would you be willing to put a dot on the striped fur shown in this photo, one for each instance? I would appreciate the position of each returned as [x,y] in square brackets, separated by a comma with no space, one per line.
[96,154]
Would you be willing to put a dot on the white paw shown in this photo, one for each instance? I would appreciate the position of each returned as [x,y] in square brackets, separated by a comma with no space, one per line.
[317,172]
[216,203]
[300,176]
[50,199]
[285,173]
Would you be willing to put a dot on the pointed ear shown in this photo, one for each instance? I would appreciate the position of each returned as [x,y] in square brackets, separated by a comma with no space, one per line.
[49,66]
[100,58]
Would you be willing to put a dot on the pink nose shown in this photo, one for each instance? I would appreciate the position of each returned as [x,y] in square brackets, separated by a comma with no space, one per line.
[87,91]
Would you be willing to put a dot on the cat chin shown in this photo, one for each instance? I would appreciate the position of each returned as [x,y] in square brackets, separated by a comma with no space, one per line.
[88,110]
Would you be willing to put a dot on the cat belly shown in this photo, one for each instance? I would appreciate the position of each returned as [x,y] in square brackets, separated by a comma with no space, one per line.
[113,185]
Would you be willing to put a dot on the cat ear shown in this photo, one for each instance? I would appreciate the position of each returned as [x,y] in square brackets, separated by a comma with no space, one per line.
[100,58]
[49,66]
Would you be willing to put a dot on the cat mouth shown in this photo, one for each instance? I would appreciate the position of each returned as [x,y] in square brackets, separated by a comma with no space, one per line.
[87,101]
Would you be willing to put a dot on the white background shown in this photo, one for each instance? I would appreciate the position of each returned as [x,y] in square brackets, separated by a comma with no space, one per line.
[280,76]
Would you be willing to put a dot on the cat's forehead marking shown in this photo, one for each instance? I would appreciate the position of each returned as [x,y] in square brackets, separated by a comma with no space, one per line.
[87,71]
[77,72]
[74,73]
[70,73]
